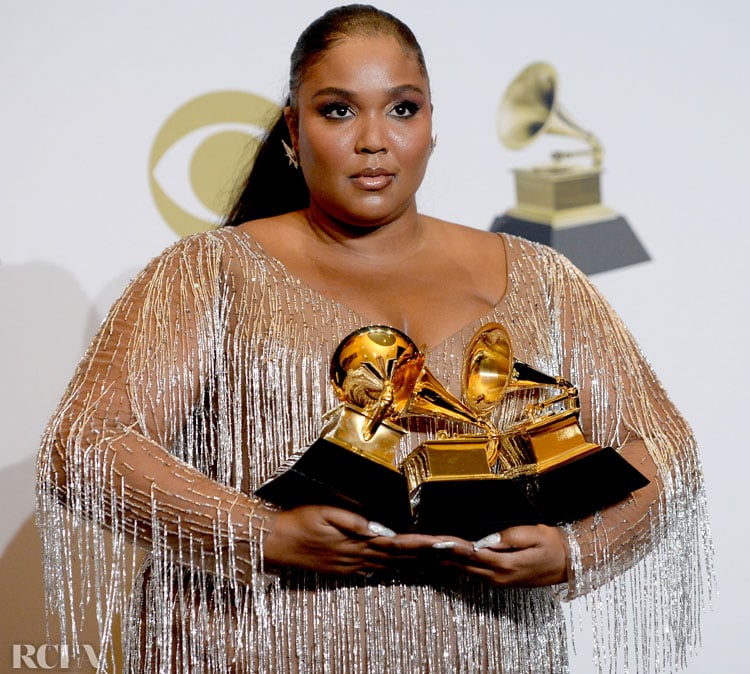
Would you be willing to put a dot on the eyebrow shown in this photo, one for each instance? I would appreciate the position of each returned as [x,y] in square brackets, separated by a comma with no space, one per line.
[345,93]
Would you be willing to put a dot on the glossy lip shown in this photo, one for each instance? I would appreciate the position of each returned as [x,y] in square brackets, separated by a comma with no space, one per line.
[372,179]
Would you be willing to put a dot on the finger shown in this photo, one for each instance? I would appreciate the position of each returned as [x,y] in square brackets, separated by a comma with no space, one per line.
[502,569]
[347,521]
[501,577]
[515,538]
[494,552]
[419,543]
[492,541]
[359,526]
[520,537]
[378,529]
[524,556]
[369,560]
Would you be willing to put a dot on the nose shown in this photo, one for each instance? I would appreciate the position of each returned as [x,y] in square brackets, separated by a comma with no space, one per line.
[371,136]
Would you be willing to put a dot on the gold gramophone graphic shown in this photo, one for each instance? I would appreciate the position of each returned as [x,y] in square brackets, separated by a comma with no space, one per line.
[559,203]
[539,468]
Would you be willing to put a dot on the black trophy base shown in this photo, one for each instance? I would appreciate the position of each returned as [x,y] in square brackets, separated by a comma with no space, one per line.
[593,247]
[475,507]
[328,474]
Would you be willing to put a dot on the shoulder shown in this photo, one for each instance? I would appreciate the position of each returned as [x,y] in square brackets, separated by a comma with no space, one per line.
[479,243]
[518,249]
[200,243]
[534,254]
[201,260]
[486,244]
[458,231]
[220,246]
[278,236]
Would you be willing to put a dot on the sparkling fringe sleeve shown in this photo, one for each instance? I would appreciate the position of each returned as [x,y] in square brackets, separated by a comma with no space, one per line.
[109,453]
[646,564]
[210,372]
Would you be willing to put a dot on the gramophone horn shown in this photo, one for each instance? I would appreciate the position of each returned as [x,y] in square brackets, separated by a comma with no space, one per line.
[380,370]
[431,399]
[529,108]
[487,368]
[365,362]
[490,371]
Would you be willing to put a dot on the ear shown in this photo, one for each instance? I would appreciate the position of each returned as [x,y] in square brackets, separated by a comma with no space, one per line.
[290,117]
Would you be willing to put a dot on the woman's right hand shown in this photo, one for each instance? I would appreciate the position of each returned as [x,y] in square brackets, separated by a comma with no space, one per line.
[331,540]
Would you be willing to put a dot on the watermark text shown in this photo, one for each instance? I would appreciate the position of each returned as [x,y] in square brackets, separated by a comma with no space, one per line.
[51,656]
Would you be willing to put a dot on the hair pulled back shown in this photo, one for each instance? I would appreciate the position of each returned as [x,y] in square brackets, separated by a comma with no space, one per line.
[273,186]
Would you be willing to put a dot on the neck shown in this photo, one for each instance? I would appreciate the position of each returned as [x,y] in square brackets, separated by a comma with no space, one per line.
[402,234]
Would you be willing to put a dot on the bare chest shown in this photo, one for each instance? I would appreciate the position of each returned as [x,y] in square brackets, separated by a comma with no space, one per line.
[428,302]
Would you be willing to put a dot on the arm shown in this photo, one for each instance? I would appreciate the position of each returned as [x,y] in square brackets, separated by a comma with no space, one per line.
[107,454]
[136,446]
[624,406]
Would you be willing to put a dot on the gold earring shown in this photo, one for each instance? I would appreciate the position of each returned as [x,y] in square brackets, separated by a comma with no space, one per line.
[291,155]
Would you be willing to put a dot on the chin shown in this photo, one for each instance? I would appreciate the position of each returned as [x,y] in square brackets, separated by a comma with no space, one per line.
[371,218]
[373,215]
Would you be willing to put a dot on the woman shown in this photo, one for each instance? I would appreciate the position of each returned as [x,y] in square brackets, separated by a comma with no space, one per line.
[211,372]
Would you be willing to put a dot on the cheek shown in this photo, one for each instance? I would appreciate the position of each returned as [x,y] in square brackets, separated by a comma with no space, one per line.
[329,155]
[414,159]
[414,147]
[323,145]
[322,162]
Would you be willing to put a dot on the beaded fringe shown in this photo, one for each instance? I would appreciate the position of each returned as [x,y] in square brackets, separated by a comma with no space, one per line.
[262,340]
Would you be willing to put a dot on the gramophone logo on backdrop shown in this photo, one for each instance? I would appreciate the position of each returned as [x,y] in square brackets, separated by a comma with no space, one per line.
[199,153]
[559,203]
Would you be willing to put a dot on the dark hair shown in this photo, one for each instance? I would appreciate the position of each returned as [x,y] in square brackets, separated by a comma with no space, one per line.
[273,186]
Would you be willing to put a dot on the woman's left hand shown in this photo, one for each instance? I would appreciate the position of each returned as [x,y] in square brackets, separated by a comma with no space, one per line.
[521,556]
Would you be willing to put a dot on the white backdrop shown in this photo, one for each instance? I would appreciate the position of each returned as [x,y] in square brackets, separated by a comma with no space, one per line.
[86,85]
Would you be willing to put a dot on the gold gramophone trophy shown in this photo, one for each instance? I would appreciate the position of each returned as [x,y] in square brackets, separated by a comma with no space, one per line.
[559,203]
[538,469]
[378,374]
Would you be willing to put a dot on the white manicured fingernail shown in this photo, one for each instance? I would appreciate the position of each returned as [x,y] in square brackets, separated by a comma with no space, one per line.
[444,545]
[378,529]
[487,541]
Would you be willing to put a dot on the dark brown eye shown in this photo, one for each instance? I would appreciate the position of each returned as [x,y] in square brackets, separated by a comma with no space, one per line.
[405,109]
[337,111]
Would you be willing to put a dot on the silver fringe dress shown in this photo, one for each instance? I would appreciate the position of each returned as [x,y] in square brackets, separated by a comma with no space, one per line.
[211,372]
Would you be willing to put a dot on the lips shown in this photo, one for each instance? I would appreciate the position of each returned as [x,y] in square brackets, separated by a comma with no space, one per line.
[372,179]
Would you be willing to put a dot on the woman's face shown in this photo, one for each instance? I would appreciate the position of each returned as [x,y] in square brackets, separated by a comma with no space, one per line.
[362,128]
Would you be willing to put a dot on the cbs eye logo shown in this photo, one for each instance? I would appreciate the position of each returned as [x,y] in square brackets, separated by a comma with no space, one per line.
[201,152]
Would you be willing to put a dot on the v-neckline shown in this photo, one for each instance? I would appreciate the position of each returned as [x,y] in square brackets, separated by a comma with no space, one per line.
[474,322]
